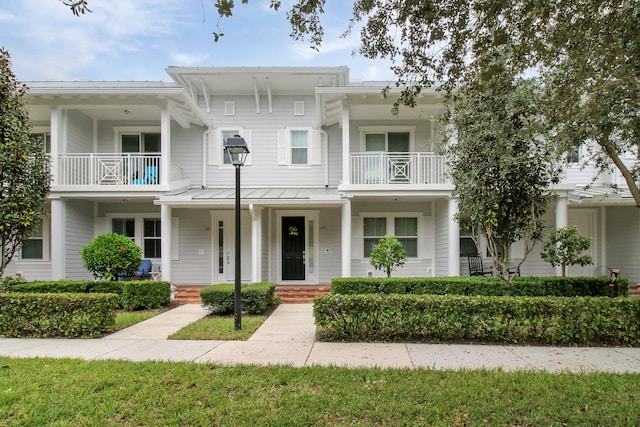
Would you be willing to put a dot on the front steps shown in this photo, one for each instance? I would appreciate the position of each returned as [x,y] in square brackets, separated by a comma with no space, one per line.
[289,294]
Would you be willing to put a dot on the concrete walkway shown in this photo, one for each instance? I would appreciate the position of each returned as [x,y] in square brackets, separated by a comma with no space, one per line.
[288,337]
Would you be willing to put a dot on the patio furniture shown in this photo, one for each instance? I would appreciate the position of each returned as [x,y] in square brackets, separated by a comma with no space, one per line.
[476,268]
[150,176]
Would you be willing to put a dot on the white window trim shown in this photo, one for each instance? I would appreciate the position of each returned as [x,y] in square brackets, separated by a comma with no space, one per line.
[314,147]
[364,130]
[139,226]
[216,145]
[390,217]
[131,130]
[46,243]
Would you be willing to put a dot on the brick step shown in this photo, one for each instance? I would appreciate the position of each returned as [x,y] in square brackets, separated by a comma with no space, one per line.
[299,294]
[187,295]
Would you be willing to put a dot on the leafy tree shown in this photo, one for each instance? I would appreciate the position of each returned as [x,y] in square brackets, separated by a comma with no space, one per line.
[565,246]
[111,255]
[388,254]
[24,167]
[499,162]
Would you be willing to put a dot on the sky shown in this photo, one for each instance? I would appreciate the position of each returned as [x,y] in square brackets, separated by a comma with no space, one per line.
[135,40]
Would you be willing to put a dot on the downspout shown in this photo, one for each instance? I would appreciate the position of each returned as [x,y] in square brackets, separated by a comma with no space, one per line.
[326,157]
[205,138]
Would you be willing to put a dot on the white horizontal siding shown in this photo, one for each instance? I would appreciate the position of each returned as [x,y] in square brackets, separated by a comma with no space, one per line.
[78,233]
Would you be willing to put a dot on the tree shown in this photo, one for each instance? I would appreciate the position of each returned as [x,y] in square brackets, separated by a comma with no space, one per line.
[565,246]
[388,254]
[499,161]
[24,167]
[111,255]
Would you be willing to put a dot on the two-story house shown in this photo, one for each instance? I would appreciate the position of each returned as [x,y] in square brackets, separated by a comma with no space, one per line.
[330,171]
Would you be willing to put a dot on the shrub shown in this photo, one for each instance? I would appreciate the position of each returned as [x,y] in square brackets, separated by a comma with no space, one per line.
[144,294]
[56,315]
[523,286]
[388,254]
[565,246]
[512,320]
[111,255]
[255,297]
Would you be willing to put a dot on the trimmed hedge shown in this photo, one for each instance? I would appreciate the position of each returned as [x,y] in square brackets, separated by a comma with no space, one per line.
[133,295]
[255,297]
[521,286]
[68,315]
[511,320]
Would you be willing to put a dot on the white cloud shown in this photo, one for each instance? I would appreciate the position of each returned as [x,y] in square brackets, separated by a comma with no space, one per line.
[184,59]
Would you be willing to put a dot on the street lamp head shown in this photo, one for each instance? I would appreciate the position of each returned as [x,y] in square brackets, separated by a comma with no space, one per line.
[237,149]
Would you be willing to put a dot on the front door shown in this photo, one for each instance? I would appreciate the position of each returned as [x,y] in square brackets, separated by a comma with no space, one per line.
[293,248]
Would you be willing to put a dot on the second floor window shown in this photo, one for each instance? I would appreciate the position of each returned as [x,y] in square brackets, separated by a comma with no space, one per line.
[299,147]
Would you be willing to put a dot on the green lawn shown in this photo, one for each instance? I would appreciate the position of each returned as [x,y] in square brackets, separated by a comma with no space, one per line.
[36,392]
[219,328]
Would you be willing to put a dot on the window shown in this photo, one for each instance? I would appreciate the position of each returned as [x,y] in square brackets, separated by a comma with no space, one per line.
[45,138]
[374,230]
[391,142]
[226,134]
[467,247]
[151,238]
[406,230]
[140,142]
[34,247]
[217,139]
[299,147]
[145,232]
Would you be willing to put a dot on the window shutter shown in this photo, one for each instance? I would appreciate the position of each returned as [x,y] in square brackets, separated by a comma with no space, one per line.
[283,148]
[215,148]
[315,148]
[175,239]
[247,134]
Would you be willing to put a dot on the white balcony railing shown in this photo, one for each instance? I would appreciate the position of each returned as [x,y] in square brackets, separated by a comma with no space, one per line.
[397,168]
[90,169]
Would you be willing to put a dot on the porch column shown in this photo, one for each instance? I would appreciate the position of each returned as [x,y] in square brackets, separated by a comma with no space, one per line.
[57,240]
[562,219]
[165,242]
[454,240]
[165,149]
[346,178]
[55,145]
[346,238]
[256,242]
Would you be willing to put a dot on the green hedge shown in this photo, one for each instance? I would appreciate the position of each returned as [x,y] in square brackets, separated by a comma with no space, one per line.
[133,295]
[521,286]
[455,318]
[256,297]
[67,315]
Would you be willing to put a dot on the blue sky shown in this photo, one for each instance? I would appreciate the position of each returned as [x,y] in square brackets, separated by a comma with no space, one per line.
[137,39]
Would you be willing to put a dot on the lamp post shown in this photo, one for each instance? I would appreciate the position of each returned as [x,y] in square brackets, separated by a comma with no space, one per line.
[236,148]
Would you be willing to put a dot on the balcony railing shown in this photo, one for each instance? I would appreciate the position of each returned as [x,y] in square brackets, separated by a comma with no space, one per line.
[91,169]
[397,168]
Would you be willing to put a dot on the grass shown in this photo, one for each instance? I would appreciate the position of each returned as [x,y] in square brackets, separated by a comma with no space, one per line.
[124,319]
[219,328]
[82,393]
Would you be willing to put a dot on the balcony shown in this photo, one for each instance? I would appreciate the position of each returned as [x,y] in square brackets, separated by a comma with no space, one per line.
[113,170]
[397,169]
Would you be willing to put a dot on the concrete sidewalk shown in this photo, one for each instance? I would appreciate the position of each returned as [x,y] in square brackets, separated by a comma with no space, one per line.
[288,337]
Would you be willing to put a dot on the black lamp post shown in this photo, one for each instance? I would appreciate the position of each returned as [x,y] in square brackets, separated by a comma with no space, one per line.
[236,148]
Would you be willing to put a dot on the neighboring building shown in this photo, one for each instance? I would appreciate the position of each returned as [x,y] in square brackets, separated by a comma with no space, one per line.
[330,171]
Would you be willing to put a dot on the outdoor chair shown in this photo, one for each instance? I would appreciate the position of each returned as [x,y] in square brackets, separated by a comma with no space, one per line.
[150,176]
[476,268]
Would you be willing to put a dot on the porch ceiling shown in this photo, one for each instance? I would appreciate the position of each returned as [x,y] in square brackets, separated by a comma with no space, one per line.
[599,195]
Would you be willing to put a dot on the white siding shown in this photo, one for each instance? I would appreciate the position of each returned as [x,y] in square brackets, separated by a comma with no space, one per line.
[441,237]
[330,256]
[193,267]
[186,152]
[79,132]
[79,233]
[623,241]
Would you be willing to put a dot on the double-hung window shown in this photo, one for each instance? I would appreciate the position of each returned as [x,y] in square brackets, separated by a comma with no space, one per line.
[144,231]
[34,248]
[151,238]
[405,228]
[299,147]
[218,138]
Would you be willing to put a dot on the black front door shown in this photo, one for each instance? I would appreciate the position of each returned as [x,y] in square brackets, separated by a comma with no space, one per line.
[293,248]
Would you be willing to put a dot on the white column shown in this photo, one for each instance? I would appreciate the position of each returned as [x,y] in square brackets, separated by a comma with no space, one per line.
[55,145]
[256,242]
[165,148]
[346,238]
[562,219]
[454,240]
[346,178]
[165,242]
[58,240]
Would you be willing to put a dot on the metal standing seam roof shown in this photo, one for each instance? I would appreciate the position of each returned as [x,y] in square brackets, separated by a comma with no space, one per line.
[249,194]
[600,193]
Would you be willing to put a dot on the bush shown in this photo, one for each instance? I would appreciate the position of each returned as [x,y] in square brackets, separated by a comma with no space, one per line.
[133,295]
[111,255]
[523,286]
[144,294]
[511,320]
[56,315]
[255,297]
[388,254]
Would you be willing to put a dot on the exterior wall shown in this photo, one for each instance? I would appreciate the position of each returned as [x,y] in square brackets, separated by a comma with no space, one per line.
[623,241]
[441,238]
[79,232]
[330,256]
[79,132]
[31,269]
[424,135]
[186,152]
[193,267]
[106,137]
